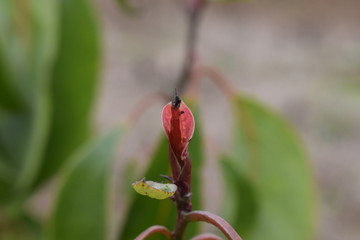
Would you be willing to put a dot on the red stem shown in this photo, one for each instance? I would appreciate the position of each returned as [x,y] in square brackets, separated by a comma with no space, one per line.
[219,79]
[144,103]
[194,9]
[215,220]
[154,229]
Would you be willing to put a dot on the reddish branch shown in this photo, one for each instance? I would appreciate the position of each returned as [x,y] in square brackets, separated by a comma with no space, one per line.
[144,104]
[194,9]
[154,229]
[178,124]
[219,79]
[215,220]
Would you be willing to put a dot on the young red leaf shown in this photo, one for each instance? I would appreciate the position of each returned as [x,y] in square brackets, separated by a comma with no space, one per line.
[179,124]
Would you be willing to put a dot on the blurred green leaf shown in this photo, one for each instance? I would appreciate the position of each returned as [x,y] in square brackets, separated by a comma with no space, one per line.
[73,85]
[28,42]
[7,177]
[81,205]
[240,206]
[10,98]
[269,156]
[128,174]
[196,151]
[144,211]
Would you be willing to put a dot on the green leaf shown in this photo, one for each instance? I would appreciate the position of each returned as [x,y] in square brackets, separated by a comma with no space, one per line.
[270,157]
[196,151]
[240,206]
[128,174]
[28,42]
[10,98]
[7,177]
[73,85]
[154,189]
[144,211]
[81,205]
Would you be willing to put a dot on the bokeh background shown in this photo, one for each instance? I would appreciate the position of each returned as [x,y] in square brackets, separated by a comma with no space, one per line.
[301,58]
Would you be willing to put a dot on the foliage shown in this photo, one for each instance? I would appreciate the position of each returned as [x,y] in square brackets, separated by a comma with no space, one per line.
[73,85]
[49,63]
[270,170]
[82,203]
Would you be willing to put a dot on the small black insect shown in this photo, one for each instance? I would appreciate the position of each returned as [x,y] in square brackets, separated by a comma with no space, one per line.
[176,101]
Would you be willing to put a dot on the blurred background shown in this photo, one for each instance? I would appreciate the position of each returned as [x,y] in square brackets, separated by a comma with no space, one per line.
[300,58]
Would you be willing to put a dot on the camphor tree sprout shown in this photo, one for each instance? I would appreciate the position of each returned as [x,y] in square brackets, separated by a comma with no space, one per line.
[268,185]
[49,63]
[178,123]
